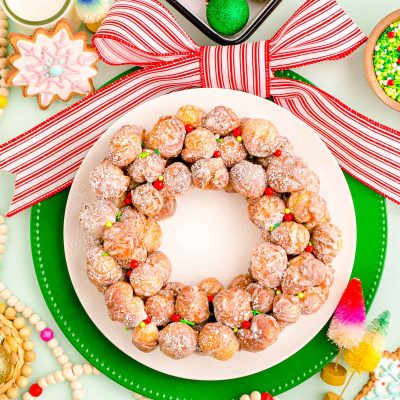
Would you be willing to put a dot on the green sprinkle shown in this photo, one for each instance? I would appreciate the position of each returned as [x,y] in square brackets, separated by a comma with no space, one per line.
[118,217]
[185,321]
[235,330]
[251,157]
[157,151]
[255,312]
[277,225]
[386,61]
[219,140]
[271,228]
[104,254]
[142,144]
[144,154]
[126,329]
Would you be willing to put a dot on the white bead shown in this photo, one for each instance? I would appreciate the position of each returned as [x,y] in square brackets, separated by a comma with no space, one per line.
[58,351]
[77,394]
[78,370]
[53,343]
[34,319]
[255,396]
[19,307]
[245,397]
[4,92]
[96,371]
[2,285]
[5,294]
[27,396]
[76,385]
[27,312]
[68,374]
[87,369]
[50,379]
[67,365]
[40,326]
[63,359]
[59,376]
[12,301]
[43,383]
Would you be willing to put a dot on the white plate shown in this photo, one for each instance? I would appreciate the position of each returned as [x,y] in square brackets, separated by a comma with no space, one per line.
[210,235]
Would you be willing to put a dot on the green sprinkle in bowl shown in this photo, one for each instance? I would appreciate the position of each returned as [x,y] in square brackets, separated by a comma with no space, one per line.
[382,60]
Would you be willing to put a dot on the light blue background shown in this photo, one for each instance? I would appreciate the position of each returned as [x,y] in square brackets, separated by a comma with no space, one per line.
[344,79]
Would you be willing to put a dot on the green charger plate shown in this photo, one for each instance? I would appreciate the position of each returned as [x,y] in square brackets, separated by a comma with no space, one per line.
[51,270]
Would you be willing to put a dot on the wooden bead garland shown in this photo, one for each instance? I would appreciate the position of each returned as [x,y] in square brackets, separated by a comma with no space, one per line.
[10,323]
[17,344]
[3,232]
[71,374]
[3,64]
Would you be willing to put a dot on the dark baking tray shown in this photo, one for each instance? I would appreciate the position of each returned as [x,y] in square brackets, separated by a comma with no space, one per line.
[255,20]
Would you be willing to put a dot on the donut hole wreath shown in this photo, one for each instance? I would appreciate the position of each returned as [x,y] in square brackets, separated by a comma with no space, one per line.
[288,242]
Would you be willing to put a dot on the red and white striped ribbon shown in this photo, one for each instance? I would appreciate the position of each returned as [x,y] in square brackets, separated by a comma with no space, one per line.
[143,32]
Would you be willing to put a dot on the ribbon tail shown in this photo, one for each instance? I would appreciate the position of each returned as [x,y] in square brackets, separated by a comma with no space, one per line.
[364,148]
[46,158]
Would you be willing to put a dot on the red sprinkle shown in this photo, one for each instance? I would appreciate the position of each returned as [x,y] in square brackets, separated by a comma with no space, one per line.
[246,324]
[217,154]
[176,318]
[391,34]
[288,217]
[134,263]
[398,60]
[189,128]
[390,82]
[128,200]
[237,132]
[147,320]
[398,48]
[266,396]
[35,390]
[128,273]
[278,153]
[269,191]
[310,249]
[158,184]
[210,298]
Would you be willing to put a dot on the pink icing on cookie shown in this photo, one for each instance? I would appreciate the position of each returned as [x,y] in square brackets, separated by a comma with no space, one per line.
[55,65]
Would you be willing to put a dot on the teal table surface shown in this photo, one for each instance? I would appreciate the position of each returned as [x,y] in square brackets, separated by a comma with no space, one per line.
[344,79]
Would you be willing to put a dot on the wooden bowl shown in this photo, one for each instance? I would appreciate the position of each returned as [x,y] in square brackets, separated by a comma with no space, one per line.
[368,59]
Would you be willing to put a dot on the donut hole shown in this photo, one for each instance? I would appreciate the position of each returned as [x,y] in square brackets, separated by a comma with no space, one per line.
[209,235]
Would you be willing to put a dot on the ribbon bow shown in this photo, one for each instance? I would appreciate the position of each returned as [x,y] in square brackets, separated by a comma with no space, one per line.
[144,33]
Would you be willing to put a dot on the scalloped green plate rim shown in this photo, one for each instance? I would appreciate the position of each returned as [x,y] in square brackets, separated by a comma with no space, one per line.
[51,270]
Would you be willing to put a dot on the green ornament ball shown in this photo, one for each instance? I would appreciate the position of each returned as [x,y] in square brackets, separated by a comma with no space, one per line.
[227,17]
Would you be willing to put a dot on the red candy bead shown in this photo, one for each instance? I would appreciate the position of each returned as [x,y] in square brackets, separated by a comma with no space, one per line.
[147,320]
[134,263]
[217,154]
[278,153]
[128,200]
[246,324]
[398,61]
[266,396]
[158,184]
[391,35]
[310,249]
[176,318]
[269,191]
[210,298]
[390,82]
[398,49]
[288,217]
[237,132]
[35,390]
[189,128]
[128,273]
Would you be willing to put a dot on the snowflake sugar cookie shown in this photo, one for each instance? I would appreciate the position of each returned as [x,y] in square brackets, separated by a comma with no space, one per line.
[384,382]
[51,65]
